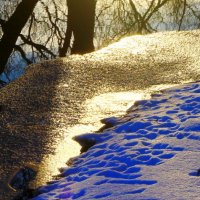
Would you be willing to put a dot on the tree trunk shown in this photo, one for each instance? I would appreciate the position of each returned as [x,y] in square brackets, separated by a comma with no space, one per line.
[68,34]
[81,20]
[13,28]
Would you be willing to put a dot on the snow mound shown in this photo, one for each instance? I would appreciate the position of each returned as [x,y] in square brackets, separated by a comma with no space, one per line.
[151,153]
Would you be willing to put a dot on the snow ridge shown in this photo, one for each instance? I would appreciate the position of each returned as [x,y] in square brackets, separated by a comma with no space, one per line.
[151,153]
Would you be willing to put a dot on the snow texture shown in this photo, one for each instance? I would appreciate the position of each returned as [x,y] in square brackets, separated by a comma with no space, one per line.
[151,153]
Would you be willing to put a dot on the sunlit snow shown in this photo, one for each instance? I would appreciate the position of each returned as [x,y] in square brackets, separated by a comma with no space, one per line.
[151,153]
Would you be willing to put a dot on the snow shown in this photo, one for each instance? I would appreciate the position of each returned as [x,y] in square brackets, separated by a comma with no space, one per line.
[151,153]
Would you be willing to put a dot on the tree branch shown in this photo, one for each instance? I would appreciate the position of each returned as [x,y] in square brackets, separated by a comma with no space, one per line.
[39,47]
[23,54]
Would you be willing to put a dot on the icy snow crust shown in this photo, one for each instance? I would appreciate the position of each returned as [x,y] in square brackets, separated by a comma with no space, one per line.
[151,153]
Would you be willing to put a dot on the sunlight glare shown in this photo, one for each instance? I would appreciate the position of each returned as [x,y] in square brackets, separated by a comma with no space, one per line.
[97,108]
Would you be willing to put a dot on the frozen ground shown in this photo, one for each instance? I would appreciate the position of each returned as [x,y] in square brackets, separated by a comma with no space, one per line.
[151,153]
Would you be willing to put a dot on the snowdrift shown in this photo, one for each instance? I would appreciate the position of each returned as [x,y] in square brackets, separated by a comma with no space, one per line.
[151,153]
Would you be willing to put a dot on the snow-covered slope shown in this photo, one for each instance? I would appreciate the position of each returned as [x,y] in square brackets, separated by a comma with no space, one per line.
[40,109]
[151,153]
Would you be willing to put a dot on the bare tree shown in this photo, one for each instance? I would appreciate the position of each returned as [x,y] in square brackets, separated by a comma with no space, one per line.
[12,28]
[60,27]
[81,22]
